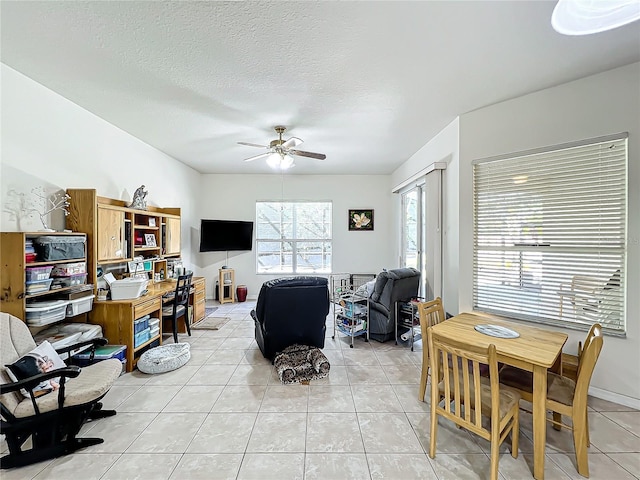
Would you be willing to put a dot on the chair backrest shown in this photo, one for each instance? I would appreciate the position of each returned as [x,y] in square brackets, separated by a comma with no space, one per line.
[587,363]
[183,287]
[455,366]
[431,313]
[15,341]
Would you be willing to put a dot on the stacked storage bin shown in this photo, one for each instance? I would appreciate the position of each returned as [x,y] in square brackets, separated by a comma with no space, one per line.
[69,274]
[37,279]
[141,331]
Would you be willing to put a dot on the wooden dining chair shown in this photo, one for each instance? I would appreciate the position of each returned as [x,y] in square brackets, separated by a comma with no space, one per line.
[564,395]
[431,313]
[467,395]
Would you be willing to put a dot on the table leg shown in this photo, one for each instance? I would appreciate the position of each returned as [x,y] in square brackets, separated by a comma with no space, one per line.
[539,420]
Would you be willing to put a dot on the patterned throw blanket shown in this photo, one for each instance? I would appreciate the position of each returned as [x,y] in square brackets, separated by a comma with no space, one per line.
[301,363]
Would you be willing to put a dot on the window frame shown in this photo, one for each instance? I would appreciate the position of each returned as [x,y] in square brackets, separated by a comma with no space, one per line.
[294,242]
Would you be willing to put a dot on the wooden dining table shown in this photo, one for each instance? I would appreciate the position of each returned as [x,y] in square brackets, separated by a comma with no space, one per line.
[535,350]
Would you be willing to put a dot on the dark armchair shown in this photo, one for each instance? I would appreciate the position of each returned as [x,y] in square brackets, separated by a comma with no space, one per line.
[391,286]
[290,311]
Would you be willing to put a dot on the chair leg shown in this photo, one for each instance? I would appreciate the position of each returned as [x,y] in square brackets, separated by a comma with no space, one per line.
[495,452]
[174,324]
[423,381]
[557,417]
[186,323]
[434,432]
[515,434]
[580,443]
[586,428]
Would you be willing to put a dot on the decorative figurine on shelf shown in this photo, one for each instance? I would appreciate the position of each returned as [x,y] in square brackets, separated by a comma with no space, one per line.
[139,199]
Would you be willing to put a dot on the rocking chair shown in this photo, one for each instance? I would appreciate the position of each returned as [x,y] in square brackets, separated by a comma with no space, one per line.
[52,420]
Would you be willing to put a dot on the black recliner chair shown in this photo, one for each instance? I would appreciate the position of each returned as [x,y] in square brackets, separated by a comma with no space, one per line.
[391,286]
[290,311]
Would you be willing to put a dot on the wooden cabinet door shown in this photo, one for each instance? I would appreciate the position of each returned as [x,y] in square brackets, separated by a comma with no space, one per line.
[110,234]
[172,246]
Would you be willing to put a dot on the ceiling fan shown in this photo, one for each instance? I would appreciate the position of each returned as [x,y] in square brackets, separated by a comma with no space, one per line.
[280,152]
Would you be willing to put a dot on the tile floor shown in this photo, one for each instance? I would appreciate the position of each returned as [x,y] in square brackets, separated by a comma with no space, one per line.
[225,415]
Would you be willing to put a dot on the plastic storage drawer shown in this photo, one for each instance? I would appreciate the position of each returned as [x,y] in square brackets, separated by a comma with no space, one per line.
[70,281]
[44,313]
[80,305]
[66,269]
[38,286]
[154,331]
[52,247]
[140,324]
[141,337]
[33,274]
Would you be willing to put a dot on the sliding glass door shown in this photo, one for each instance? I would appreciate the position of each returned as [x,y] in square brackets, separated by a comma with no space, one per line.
[413,232]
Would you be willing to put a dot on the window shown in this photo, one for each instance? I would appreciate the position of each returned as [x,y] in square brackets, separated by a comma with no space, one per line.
[550,235]
[293,237]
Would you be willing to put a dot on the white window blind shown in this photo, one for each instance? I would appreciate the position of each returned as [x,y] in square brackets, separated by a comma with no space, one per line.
[293,237]
[550,235]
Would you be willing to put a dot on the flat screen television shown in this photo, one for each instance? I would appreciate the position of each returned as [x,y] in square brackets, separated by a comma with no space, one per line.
[225,235]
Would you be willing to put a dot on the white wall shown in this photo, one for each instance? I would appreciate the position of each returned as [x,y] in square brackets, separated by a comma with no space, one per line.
[599,105]
[442,148]
[233,197]
[51,142]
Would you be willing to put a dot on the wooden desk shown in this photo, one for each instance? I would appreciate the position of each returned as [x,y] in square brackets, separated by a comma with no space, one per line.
[536,350]
[117,316]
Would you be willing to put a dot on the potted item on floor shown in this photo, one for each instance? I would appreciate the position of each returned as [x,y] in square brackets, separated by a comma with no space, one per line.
[241,293]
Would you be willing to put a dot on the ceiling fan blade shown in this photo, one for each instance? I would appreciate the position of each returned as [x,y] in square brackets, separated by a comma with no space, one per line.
[256,157]
[302,153]
[252,144]
[292,142]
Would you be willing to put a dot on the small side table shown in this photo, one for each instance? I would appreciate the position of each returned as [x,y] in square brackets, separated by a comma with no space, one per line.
[226,285]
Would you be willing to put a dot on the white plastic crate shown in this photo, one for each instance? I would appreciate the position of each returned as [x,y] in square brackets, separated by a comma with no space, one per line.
[80,305]
[44,313]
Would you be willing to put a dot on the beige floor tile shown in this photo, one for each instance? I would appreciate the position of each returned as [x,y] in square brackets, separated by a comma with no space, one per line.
[337,376]
[601,467]
[25,473]
[226,357]
[388,433]
[366,375]
[212,375]
[285,398]
[334,356]
[168,433]
[156,466]
[375,398]
[118,394]
[465,466]
[278,432]
[394,357]
[119,431]
[272,466]
[330,398]
[253,356]
[149,399]
[360,357]
[522,467]
[240,398]
[449,439]
[609,437]
[600,405]
[215,466]
[408,398]
[199,357]
[628,420]
[179,376]
[402,374]
[336,466]
[251,375]
[88,466]
[223,433]
[132,378]
[629,461]
[194,398]
[333,433]
[400,467]
[237,343]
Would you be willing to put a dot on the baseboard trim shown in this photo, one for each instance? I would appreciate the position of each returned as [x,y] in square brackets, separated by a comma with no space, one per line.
[615,397]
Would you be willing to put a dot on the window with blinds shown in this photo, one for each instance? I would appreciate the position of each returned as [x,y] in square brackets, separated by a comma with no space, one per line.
[550,235]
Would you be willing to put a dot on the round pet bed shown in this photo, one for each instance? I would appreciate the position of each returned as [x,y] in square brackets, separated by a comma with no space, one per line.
[164,358]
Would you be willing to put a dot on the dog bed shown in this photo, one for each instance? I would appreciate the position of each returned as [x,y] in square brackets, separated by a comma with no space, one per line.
[301,363]
[164,358]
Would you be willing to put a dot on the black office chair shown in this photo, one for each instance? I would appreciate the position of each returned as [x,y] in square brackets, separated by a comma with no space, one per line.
[180,306]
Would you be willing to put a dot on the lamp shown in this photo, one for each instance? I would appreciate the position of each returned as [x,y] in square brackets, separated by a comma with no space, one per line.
[280,160]
[583,17]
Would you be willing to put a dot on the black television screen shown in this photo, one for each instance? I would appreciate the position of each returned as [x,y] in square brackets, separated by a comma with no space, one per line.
[224,235]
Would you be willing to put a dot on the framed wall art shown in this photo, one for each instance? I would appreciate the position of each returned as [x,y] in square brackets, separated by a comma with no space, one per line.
[360,219]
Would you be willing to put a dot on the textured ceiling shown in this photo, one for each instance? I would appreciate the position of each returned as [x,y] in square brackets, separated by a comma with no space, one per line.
[366,83]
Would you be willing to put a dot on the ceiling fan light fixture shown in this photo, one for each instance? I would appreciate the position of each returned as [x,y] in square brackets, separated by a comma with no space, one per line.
[584,17]
[280,161]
